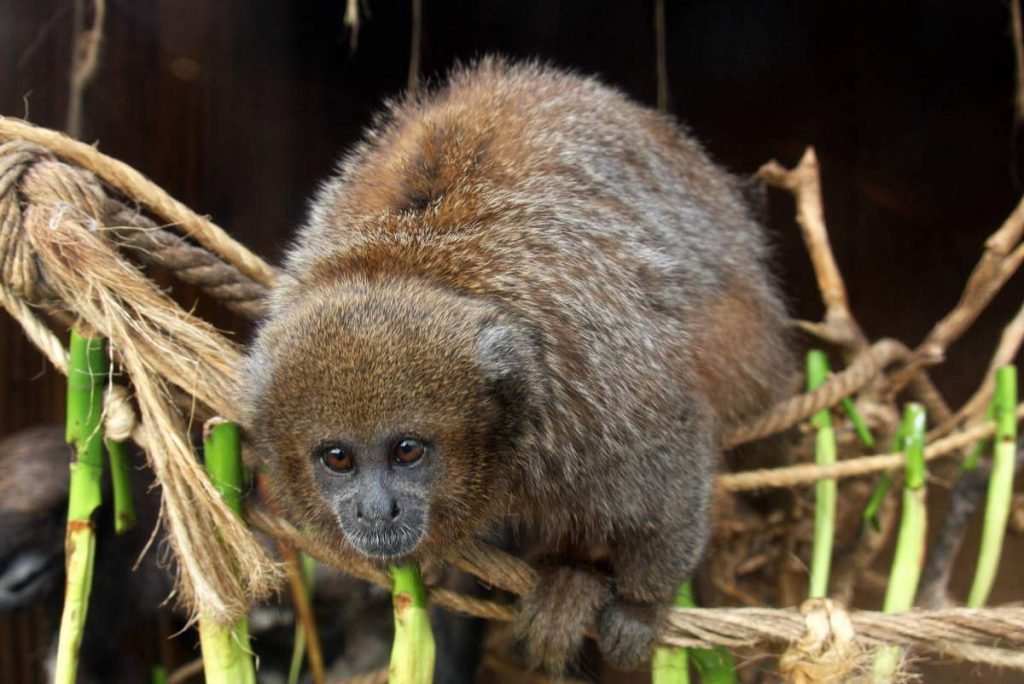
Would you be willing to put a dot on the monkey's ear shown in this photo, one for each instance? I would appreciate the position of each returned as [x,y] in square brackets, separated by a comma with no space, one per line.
[507,358]
[502,351]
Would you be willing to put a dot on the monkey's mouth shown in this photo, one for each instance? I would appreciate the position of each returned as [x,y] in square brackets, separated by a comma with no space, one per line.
[386,544]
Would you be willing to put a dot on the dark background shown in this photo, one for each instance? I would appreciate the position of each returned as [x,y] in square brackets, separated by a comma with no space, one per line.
[239,108]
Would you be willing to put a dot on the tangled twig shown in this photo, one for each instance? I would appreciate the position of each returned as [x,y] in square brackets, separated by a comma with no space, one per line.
[804,182]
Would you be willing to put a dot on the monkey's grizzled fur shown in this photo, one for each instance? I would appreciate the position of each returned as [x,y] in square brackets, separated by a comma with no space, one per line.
[563,301]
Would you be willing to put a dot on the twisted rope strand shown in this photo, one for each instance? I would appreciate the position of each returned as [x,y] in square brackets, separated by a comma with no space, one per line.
[131,183]
[991,635]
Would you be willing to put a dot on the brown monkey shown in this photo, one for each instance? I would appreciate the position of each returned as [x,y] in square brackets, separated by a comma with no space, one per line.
[523,296]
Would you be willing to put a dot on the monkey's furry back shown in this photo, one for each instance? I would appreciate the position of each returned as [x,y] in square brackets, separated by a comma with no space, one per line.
[600,225]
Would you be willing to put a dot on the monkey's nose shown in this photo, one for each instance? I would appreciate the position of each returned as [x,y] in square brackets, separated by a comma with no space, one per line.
[377,511]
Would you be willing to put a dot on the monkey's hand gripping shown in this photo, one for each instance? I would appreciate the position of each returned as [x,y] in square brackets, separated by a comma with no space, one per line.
[554,618]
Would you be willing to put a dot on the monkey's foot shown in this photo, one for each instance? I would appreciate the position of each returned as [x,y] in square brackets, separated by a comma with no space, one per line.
[626,632]
[553,617]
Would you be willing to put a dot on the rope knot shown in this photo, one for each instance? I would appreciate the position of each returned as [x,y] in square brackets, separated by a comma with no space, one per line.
[119,418]
[828,651]
[38,189]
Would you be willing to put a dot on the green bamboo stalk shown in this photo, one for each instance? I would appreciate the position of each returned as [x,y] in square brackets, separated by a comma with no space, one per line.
[307,566]
[824,490]
[882,487]
[874,504]
[412,652]
[158,675]
[672,665]
[715,665]
[227,657]
[981,446]
[857,420]
[87,369]
[121,484]
[910,542]
[1000,486]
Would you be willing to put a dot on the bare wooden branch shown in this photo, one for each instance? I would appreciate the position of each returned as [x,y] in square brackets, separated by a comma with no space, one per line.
[1001,258]
[352,23]
[85,58]
[303,610]
[414,46]
[973,409]
[804,182]
[662,63]
[1018,52]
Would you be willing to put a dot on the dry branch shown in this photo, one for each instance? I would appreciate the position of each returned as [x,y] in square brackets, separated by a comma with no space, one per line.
[1009,346]
[85,59]
[1001,258]
[804,182]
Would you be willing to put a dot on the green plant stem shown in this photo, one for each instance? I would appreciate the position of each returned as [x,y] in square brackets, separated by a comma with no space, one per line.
[1000,487]
[87,369]
[715,665]
[882,487]
[824,490]
[910,542]
[227,657]
[859,426]
[671,665]
[981,446]
[412,652]
[307,566]
[121,484]
[874,504]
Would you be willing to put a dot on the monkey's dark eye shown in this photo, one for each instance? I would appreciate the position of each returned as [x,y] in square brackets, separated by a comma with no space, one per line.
[408,451]
[336,458]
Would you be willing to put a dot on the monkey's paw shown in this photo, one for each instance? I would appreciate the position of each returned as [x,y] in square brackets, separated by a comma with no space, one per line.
[626,633]
[553,617]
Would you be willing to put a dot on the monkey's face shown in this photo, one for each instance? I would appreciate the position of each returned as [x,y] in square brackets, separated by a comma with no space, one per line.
[378,490]
[378,410]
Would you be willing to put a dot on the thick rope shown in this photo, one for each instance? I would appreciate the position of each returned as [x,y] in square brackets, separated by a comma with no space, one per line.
[809,473]
[222,566]
[30,175]
[36,331]
[991,635]
[131,183]
[193,265]
[801,407]
[827,651]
